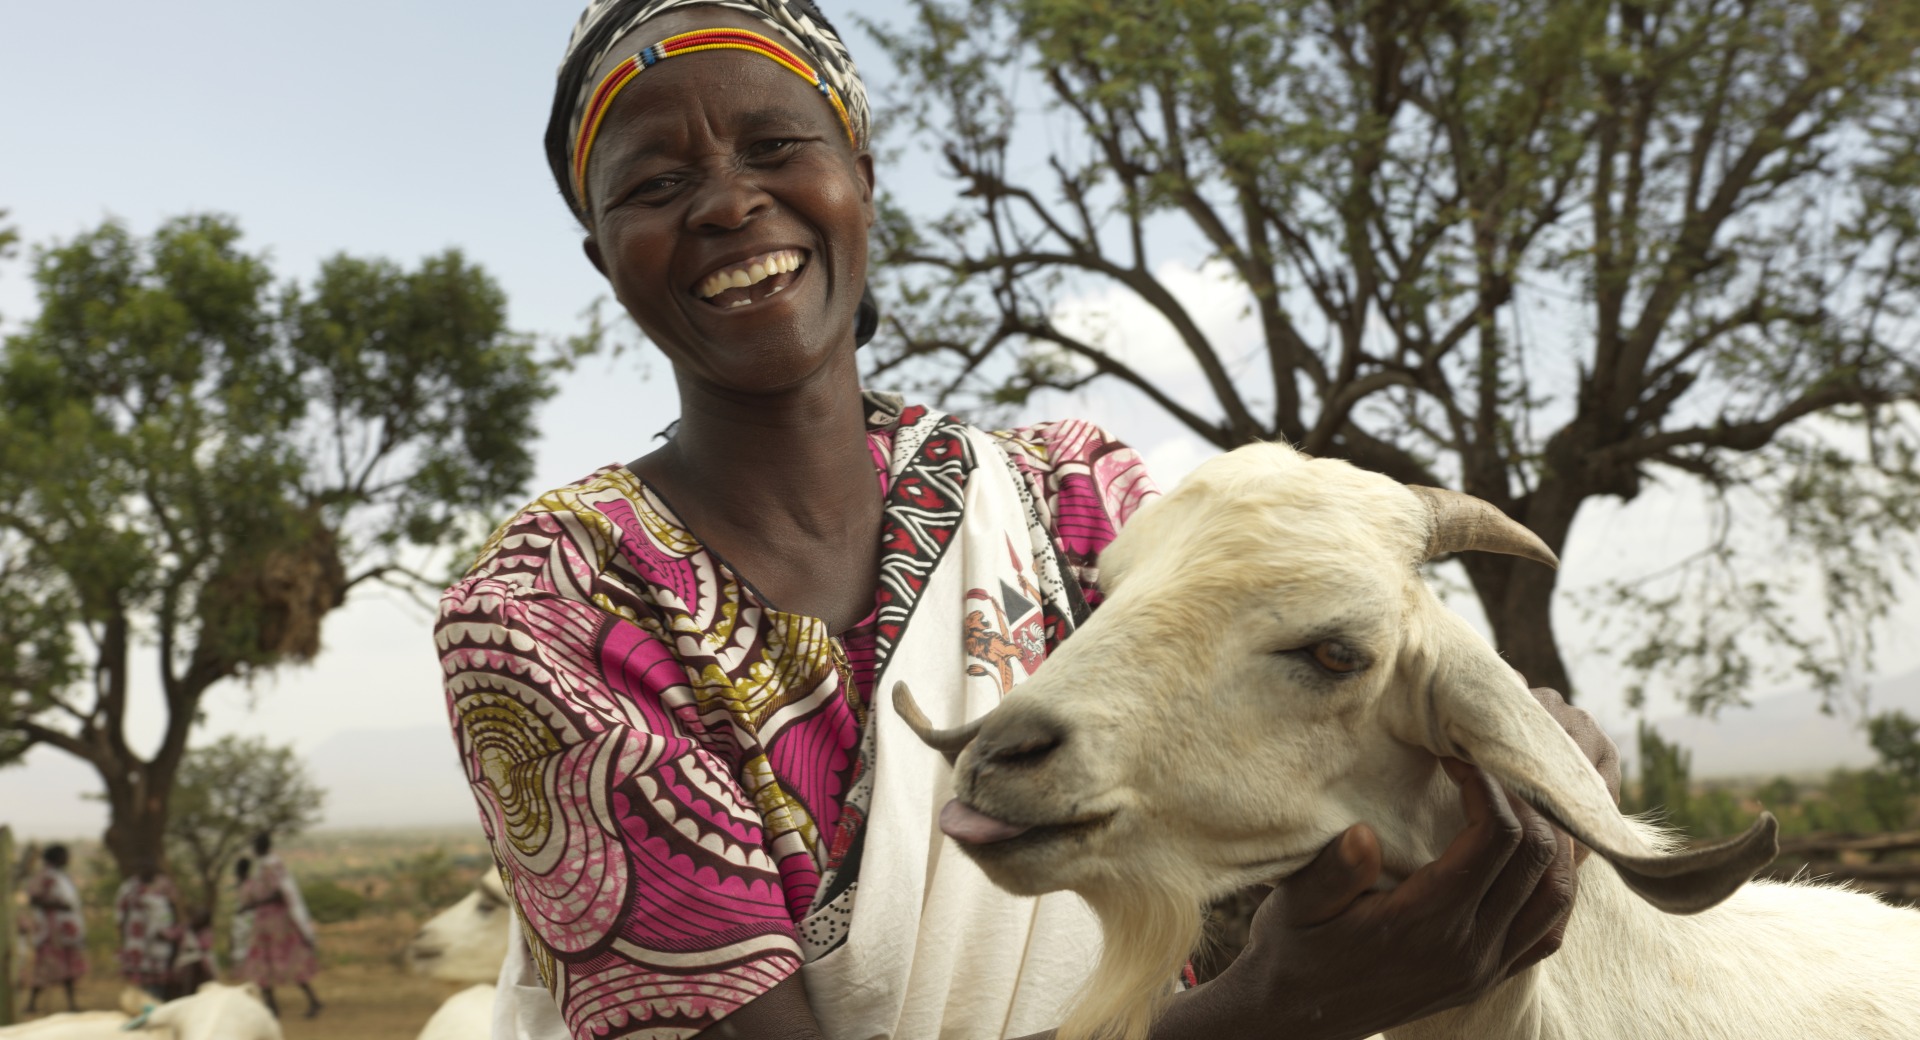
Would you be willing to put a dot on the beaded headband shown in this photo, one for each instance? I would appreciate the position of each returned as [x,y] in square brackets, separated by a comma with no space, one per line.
[687,43]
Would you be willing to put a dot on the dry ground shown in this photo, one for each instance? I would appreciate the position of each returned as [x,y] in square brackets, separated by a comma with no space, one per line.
[367,994]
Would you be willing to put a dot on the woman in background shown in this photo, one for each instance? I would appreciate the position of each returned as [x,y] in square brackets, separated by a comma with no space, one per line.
[280,950]
[147,910]
[57,928]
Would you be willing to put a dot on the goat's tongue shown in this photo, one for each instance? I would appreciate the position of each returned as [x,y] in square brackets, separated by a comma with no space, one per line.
[963,823]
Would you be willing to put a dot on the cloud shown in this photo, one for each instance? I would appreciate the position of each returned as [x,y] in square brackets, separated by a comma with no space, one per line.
[1118,321]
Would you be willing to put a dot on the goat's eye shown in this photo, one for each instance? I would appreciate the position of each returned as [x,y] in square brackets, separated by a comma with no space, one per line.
[1335,657]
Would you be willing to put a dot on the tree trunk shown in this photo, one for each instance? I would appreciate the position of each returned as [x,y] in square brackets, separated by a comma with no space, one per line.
[1522,623]
[136,820]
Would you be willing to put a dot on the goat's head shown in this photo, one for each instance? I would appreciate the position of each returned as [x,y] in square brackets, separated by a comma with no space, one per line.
[1268,669]
[466,942]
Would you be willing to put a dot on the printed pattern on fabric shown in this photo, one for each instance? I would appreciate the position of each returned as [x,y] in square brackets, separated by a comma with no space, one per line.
[57,929]
[277,951]
[673,773]
[144,911]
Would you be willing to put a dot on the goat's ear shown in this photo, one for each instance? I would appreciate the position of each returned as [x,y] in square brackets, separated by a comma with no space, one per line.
[1474,707]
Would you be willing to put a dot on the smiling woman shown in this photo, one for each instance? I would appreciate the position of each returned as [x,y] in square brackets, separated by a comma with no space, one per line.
[661,677]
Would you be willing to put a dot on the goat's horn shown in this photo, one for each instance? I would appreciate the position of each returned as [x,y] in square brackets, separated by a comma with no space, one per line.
[1463,523]
[949,742]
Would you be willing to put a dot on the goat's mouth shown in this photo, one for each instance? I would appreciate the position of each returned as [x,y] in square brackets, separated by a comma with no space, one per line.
[981,834]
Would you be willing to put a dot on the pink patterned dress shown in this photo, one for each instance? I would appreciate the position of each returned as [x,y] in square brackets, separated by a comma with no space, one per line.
[57,929]
[670,769]
[280,947]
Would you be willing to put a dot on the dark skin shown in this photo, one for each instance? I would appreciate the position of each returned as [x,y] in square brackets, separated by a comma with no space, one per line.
[701,164]
[710,158]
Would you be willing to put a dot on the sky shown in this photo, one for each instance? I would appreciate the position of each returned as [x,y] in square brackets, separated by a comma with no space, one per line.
[400,128]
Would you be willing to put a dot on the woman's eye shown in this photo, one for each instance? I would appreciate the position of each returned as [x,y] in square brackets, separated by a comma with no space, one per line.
[652,186]
[772,149]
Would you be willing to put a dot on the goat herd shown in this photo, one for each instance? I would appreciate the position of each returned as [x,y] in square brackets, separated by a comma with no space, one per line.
[1230,633]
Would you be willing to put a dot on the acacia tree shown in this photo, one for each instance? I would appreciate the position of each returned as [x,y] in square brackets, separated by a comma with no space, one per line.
[224,794]
[198,464]
[1542,253]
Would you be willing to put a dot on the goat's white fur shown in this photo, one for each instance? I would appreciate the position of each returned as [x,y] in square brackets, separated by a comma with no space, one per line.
[213,1012]
[1217,758]
[466,942]
[467,1015]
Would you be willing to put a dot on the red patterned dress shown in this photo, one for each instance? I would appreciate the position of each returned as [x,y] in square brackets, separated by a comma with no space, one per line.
[675,774]
[56,928]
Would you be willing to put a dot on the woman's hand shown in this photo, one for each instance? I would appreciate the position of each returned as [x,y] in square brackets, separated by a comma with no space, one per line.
[1342,960]
[1330,958]
[1586,735]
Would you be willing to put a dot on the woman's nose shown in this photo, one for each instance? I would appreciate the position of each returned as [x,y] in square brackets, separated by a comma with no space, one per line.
[727,201]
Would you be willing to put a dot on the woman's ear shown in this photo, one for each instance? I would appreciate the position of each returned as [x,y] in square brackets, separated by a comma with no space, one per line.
[592,249]
[863,164]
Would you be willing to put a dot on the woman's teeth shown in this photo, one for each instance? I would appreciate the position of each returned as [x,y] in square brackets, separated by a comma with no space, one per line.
[750,272]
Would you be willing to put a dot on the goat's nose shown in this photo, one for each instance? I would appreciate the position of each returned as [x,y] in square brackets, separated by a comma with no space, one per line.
[1020,743]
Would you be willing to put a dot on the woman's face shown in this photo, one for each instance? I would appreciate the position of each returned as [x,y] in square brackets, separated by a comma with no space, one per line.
[718,168]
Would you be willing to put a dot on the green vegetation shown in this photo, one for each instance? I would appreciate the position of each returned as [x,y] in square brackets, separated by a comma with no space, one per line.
[1542,253]
[1847,801]
[226,793]
[199,462]
[427,881]
[330,902]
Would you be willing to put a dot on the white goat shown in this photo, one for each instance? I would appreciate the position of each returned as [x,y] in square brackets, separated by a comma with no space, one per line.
[1269,668]
[467,1015]
[466,942]
[213,1012]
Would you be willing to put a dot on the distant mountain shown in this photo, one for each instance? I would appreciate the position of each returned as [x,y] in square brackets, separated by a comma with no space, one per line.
[1782,735]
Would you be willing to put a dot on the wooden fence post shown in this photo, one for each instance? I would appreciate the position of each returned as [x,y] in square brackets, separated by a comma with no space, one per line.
[9,971]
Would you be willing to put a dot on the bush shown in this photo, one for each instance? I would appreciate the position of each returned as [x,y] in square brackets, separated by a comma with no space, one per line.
[330,902]
[427,882]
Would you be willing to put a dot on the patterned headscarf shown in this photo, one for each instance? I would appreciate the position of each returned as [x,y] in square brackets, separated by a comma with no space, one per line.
[606,22]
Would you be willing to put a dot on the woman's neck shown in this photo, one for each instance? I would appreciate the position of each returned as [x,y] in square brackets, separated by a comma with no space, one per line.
[783,488]
[795,460]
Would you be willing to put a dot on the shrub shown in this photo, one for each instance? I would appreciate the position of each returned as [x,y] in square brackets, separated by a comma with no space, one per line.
[331,902]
